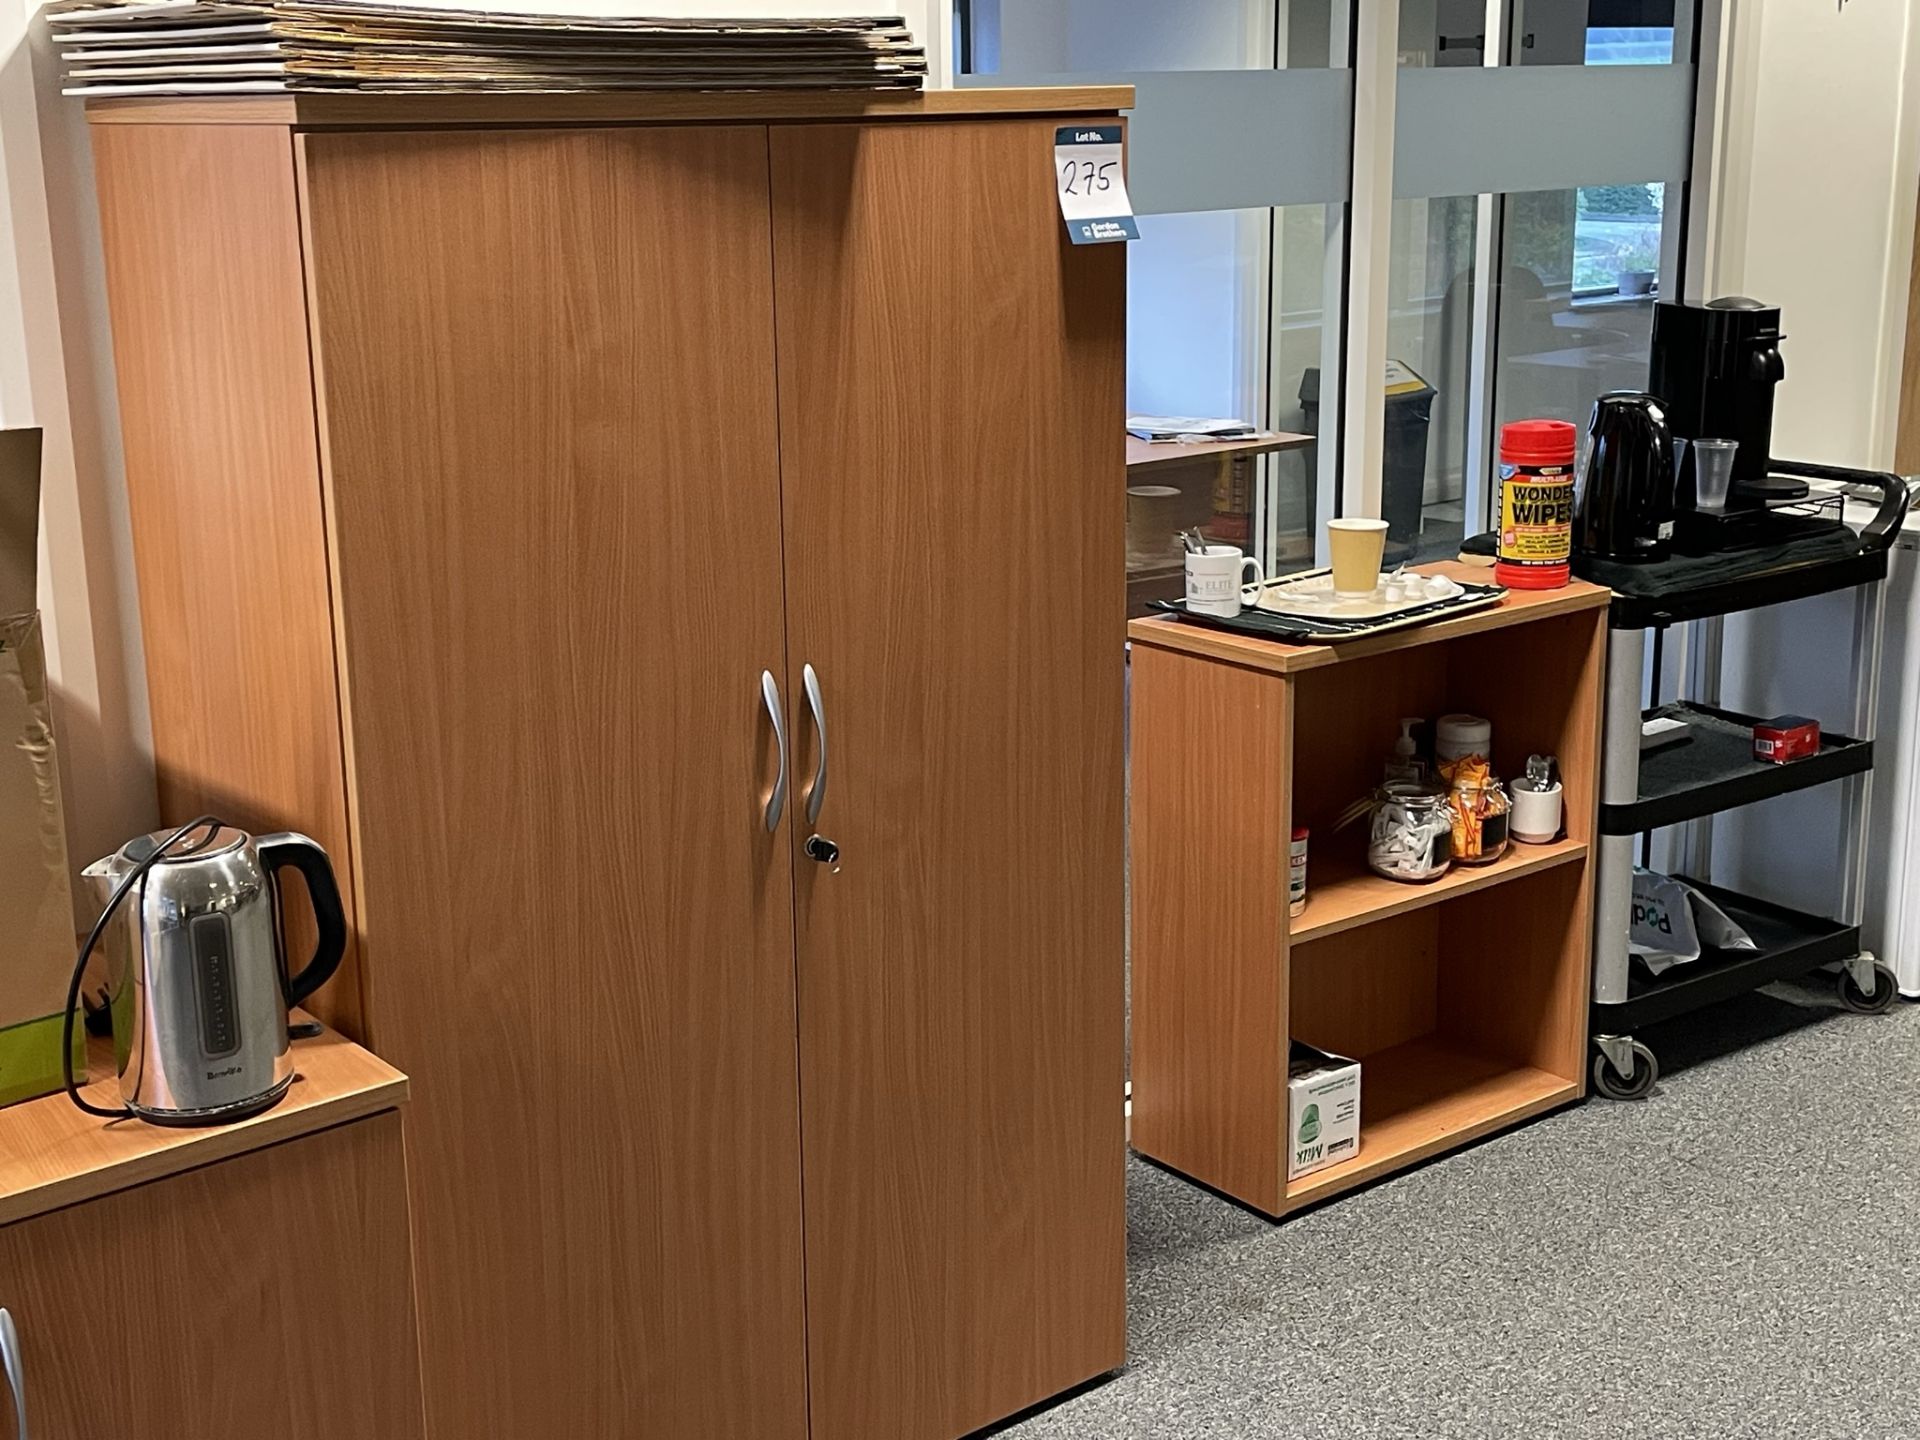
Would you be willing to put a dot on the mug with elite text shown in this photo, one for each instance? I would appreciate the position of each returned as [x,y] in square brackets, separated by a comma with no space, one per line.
[1214,583]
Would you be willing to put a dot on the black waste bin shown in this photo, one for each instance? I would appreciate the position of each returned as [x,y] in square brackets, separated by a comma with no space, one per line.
[1403,481]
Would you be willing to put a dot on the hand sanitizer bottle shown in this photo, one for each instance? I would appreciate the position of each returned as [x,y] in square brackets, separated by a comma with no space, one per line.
[1406,763]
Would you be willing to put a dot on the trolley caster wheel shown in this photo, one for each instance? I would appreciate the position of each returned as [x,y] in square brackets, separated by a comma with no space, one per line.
[1635,1086]
[1862,1002]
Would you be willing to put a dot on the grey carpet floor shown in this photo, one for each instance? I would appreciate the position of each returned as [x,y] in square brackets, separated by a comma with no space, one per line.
[1738,1256]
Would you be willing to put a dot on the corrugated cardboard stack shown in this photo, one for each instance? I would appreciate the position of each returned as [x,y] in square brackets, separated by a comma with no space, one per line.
[190,47]
[36,897]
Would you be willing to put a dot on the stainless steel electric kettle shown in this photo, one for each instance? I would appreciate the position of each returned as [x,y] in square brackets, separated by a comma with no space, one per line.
[198,985]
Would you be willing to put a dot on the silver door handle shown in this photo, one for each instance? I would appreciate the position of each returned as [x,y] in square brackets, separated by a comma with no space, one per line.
[777,801]
[817,792]
[16,1373]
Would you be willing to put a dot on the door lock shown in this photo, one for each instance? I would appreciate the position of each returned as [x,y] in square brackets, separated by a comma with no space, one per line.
[823,850]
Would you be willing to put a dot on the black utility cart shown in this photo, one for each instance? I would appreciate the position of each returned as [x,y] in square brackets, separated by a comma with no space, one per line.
[1810,551]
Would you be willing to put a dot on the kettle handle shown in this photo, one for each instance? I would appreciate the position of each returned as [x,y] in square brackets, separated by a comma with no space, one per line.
[287,848]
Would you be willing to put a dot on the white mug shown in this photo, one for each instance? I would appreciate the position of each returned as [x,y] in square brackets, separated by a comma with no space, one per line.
[1214,585]
[1536,814]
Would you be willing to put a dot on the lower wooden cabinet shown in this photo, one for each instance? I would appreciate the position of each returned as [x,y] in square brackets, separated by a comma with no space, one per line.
[264,1295]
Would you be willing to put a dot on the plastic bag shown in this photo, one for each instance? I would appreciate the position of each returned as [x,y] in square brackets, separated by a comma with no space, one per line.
[1673,923]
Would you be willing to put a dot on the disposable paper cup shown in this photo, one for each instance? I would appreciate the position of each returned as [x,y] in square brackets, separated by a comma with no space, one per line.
[1713,472]
[1358,547]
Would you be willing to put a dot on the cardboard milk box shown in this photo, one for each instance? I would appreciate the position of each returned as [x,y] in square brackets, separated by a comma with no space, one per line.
[1323,1109]
[36,898]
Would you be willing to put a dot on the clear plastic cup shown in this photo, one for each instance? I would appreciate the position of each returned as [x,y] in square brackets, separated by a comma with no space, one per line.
[1713,473]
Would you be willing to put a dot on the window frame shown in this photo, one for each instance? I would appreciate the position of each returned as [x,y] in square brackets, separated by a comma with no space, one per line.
[1357,260]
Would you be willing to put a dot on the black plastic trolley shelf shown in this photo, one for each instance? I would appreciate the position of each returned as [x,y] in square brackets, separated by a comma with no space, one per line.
[1790,942]
[1714,770]
[1687,587]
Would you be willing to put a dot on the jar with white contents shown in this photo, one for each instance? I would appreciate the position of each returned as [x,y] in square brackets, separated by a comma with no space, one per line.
[1411,833]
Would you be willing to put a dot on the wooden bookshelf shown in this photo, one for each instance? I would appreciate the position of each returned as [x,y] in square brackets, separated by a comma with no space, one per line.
[1346,894]
[1464,999]
[1424,1097]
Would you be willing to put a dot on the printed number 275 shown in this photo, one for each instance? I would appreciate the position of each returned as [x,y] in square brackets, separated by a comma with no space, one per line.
[1084,177]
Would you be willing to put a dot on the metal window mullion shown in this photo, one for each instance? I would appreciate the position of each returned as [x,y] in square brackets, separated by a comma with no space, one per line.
[1482,345]
[1376,43]
[1481,359]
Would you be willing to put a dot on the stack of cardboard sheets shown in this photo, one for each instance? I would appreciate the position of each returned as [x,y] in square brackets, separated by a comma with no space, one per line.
[191,47]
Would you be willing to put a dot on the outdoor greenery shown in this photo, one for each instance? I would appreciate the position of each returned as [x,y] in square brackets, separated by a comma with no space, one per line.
[1619,200]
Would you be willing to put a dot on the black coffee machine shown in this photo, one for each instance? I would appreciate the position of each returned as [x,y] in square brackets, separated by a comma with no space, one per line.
[1715,366]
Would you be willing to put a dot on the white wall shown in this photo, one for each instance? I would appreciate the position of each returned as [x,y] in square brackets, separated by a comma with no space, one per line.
[1826,120]
[52,374]
[56,372]
[1821,129]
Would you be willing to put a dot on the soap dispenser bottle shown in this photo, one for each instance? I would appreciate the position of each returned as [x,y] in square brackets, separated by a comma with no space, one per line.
[1406,763]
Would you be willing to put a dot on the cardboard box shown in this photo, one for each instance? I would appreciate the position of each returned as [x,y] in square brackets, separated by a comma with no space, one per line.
[36,900]
[1785,738]
[1323,1109]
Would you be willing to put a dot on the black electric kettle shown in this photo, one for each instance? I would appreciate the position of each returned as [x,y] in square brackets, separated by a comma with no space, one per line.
[1626,505]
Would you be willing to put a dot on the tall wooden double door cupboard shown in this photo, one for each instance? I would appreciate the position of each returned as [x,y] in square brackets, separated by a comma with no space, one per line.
[569,510]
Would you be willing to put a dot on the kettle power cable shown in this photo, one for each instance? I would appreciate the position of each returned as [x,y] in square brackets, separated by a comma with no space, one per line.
[127,882]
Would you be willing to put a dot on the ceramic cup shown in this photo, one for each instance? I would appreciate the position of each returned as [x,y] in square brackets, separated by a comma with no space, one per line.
[1152,518]
[1536,814]
[1358,547]
[1214,583]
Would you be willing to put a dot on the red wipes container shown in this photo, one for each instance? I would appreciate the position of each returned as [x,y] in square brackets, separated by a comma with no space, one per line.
[1536,505]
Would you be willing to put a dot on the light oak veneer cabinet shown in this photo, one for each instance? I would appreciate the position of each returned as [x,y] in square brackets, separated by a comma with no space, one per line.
[235,1282]
[498,469]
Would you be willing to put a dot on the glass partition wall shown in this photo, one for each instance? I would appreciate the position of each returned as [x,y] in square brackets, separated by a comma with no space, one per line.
[1539,154]
[1238,167]
[1540,163]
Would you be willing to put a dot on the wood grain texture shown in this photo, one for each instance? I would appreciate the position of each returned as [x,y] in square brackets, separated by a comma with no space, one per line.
[1543,687]
[951,392]
[1427,1097]
[1346,718]
[1518,608]
[546,361]
[1518,966]
[1210,746]
[1465,999]
[1906,445]
[604,107]
[265,1295]
[1459,1014]
[52,1154]
[1363,991]
[1348,894]
[202,247]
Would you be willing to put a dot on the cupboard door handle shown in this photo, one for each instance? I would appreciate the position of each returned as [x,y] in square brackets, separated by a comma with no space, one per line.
[16,1374]
[817,792]
[777,801]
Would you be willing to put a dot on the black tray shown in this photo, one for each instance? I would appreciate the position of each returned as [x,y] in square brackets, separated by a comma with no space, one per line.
[1791,943]
[1714,770]
[1694,587]
[1298,630]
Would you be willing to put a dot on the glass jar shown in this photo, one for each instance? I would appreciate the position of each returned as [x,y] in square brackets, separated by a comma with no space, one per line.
[1480,805]
[1410,833]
